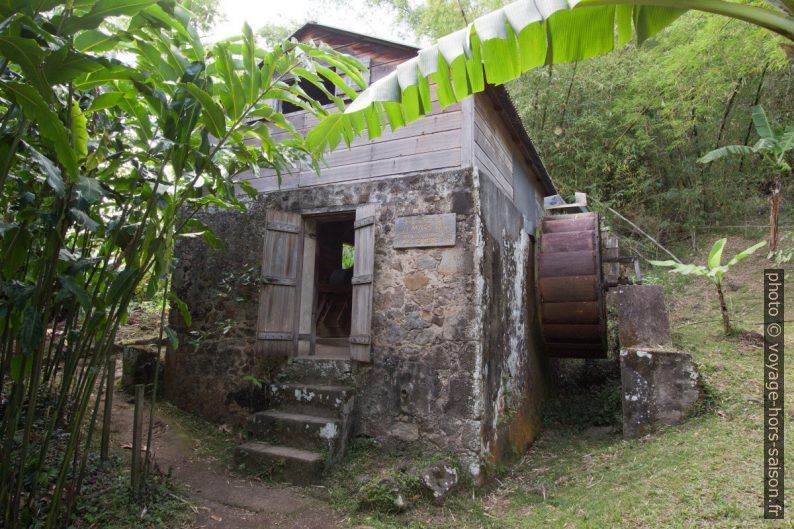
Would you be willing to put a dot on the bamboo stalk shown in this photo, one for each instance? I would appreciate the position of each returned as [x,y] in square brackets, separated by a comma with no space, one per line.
[755,102]
[155,381]
[137,423]
[111,378]
[568,95]
[728,106]
[105,382]
[548,97]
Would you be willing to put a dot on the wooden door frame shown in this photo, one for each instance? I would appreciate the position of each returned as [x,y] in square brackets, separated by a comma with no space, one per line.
[318,215]
[298,289]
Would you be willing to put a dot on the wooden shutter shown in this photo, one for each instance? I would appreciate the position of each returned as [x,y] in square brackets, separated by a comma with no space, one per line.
[363,271]
[279,296]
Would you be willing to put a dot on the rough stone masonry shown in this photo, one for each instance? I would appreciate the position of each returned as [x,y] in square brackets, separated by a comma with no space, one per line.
[455,364]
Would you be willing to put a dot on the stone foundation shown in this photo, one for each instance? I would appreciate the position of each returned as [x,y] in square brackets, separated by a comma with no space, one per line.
[455,366]
[514,371]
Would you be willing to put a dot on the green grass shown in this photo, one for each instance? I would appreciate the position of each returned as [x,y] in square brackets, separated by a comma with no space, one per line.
[703,473]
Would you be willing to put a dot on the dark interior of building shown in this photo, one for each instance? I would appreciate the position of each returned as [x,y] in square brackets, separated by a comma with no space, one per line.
[333,278]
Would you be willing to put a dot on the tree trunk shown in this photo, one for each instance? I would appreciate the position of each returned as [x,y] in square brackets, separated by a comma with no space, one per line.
[774,201]
[726,322]
[755,102]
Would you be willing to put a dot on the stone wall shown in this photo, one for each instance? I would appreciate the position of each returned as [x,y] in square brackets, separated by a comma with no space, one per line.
[205,374]
[455,360]
[421,387]
[514,374]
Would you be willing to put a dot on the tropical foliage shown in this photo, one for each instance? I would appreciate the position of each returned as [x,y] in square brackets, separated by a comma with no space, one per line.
[118,126]
[773,146]
[714,271]
[630,141]
[518,37]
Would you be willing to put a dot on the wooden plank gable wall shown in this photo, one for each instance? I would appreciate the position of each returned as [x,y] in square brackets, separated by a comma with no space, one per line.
[469,133]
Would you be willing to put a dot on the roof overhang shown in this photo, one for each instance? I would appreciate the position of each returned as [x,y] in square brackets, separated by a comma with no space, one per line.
[497,93]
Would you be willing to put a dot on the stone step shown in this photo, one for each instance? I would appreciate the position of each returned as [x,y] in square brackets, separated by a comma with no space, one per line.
[311,399]
[308,432]
[281,463]
[317,370]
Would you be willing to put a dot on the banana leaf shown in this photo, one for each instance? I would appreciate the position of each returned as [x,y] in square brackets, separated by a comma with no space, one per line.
[501,45]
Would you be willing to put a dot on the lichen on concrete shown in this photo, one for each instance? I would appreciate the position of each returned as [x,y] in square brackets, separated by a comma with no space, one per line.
[659,388]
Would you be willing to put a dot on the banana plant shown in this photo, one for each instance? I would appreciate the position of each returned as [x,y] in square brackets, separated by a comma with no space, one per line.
[773,145]
[714,271]
[501,45]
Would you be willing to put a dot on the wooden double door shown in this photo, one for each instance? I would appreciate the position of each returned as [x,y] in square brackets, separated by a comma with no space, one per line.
[288,298]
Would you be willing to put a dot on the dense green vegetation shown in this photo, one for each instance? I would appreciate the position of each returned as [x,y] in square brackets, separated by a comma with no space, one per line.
[118,126]
[628,127]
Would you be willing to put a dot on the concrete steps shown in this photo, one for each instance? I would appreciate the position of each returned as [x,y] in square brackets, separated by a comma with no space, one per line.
[322,400]
[305,425]
[318,371]
[281,462]
[308,432]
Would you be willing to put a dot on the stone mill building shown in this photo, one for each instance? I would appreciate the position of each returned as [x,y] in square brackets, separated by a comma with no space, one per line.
[391,296]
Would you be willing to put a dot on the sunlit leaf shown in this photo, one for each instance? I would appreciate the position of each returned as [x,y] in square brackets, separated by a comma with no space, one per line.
[715,255]
[102,10]
[728,150]
[252,80]
[761,123]
[79,132]
[746,253]
[95,41]
[235,95]
[50,126]
[213,115]
[106,100]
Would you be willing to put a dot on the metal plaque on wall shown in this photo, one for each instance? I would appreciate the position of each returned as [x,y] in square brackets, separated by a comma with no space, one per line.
[419,231]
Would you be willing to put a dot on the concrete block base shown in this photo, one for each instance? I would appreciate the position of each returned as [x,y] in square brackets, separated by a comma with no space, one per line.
[659,388]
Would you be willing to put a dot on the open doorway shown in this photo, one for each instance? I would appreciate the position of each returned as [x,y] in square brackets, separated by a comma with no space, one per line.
[332,290]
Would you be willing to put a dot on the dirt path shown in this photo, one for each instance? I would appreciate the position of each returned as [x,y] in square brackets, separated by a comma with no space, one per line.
[221,498]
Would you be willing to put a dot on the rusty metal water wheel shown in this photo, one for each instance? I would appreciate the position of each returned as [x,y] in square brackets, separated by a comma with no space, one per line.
[571,287]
